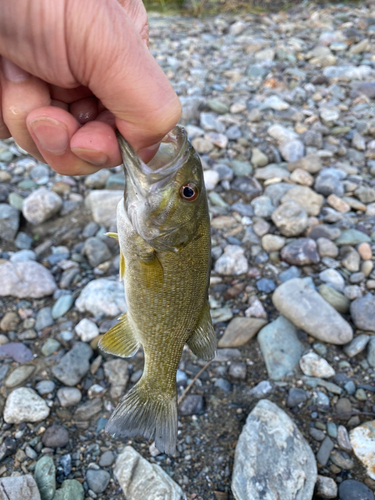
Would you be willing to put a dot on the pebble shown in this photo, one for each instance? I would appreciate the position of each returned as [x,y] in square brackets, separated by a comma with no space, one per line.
[240,331]
[232,262]
[306,198]
[357,345]
[263,457]
[70,489]
[324,451]
[300,252]
[362,440]
[56,436]
[43,318]
[352,237]
[117,372]
[258,158]
[24,405]
[62,305]
[326,487]
[281,348]
[9,221]
[362,311]
[86,330]
[103,205]
[192,405]
[45,387]
[18,280]
[314,366]
[371,352]
[333,278]
[44,475]
[97,480]
[107,459]
[96,251]
[17,351]
[336,299]
[354,490]
[74,365]
[272,243]
[290,219]
[296,396]
[41,205]
[132,471]
[343,439]
[298,302]
[19,375]
[262,389]
[102,297]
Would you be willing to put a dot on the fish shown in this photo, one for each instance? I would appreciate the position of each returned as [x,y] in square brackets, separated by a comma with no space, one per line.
[163,230]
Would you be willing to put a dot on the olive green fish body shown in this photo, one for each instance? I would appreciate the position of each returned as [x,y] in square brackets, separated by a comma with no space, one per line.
[167,267]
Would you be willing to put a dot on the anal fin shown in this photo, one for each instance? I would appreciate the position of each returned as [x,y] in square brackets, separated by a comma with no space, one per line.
[203,340]
[120,340]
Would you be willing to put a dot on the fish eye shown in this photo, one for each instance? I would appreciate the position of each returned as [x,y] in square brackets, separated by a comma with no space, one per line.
[189,192]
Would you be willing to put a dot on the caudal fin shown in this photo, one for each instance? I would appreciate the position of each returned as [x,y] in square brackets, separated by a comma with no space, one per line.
[141,413]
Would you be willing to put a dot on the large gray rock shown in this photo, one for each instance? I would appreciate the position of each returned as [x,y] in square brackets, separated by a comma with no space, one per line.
[272,458]
[102,296]
[26,280]
[306,198]
[19,488]
[74,365]
[298,302]
[41,205]
[103,205]
[96,251]
[290,219]
[280,347]
[24,405]
[240,331]
[9,222]
[363,312]
[140,480]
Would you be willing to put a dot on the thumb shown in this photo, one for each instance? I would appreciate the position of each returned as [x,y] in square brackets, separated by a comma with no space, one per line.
[106,54]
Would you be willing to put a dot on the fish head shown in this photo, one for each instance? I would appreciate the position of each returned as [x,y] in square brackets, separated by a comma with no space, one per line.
[165,198]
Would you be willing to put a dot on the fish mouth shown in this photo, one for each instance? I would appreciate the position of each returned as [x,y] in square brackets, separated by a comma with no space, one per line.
[156,174]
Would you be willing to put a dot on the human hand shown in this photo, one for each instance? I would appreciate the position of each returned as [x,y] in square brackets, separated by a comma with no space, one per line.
[74,70]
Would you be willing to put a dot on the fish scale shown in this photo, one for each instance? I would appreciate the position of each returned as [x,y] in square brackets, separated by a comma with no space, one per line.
[164,237]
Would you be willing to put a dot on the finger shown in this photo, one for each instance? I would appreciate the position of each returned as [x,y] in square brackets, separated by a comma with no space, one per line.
[21,94]
[59,104]
[69,95]
[52,129]
[96,142]
[4,132]
[136,10]
[84,110]
[121,72]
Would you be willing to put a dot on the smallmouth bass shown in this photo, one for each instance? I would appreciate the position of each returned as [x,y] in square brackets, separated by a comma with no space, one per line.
[164,237]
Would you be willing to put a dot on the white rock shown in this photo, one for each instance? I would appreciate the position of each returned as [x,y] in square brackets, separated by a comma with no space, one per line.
[211,178]
[362,439]
[26,280]
[41,205]
[19,487]
[103,205]
[314,366]
[333,278]
[281,133]
[102,296]
[274,102]
[141,480]
[24,405]
[233,261]
[98,179]
[272,459]
[86,330]
[69,396]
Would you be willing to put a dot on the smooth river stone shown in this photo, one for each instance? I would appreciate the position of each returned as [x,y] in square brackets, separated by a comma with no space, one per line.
[272,458]
[300,304]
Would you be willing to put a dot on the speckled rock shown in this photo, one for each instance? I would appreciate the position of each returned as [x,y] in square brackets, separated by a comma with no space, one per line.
[269,449]
[102,296]
[19,487]
[25,405]
[362,439]
[26,280]
[41,205]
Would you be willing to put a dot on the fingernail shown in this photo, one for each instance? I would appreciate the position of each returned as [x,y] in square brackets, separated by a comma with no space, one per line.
[51,135]
[12,72]
[95,157]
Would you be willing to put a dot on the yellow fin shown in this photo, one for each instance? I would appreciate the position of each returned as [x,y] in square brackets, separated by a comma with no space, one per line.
[112,235]
[120,340]
[122,266]
[203,340]
[152,272]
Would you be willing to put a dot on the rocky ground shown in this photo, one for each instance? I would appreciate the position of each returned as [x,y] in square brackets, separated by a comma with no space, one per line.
[281,109]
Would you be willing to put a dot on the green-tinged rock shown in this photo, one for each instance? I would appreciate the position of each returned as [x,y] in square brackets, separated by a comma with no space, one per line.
[27,185]
[335,298]
[44,475]
[70,490]
[15,200]
[50,346]
[241,168]
[217,106]
[352,237]
[115,181]
[217,200]
[340,130]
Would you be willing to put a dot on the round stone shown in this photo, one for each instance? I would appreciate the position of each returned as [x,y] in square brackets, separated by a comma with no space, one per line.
[354,490]
[97,480]
[55,436]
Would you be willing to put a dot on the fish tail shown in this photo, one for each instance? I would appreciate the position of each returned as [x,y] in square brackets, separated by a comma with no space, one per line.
[141,412]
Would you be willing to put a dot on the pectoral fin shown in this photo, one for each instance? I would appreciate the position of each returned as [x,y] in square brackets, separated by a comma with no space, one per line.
[203,340]
[152,272]
[112,235]
[120,340]
[122,266]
